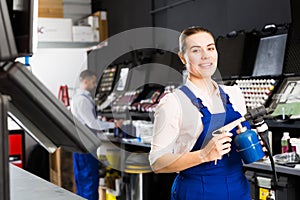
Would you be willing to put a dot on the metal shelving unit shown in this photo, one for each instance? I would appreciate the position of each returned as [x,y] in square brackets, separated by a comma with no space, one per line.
[67,44]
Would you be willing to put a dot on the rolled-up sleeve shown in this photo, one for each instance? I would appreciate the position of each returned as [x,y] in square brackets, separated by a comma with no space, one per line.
[166,127]
[237,99]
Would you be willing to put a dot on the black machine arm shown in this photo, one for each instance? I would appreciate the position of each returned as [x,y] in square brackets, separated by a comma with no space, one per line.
[256,116]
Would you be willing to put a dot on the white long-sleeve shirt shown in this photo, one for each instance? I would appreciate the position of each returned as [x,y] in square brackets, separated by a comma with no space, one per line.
[83,108]
[178,122]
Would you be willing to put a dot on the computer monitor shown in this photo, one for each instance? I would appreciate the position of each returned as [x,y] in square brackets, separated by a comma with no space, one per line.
[18,28]
[41,114]
[23,16]
[231,55]
[270,55]
[137,77]
[8,49]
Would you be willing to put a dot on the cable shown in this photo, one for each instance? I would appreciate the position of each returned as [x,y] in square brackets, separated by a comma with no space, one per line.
[262,131]
[256,115]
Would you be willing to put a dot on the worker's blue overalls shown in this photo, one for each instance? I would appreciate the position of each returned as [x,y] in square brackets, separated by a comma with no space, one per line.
[86,171]
[207,181]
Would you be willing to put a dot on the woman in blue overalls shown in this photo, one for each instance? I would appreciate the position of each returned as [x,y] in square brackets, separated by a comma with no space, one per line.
[184,120]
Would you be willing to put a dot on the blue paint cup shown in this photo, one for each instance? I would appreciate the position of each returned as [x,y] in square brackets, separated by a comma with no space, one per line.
[249,147]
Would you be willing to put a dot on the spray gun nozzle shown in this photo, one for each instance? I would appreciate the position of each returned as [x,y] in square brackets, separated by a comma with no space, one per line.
[255,113]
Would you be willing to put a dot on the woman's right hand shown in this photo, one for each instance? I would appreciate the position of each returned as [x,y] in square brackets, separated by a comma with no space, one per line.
[216,147]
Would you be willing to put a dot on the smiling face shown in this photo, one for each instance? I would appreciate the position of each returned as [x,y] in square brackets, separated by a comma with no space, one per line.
[199,55]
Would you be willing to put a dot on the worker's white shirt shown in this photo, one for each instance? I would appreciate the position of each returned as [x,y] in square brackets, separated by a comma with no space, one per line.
[83,108]
[176,134]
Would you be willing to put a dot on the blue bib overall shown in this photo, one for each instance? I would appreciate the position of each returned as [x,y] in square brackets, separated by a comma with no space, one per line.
[86,171]
[207,181]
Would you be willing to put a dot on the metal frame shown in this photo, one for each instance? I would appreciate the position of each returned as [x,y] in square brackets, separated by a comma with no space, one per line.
[8,49]
[4,157]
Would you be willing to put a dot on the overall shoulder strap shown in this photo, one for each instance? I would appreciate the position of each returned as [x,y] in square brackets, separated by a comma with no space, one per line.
[91,101]
[188,92]
[224,97]
[195,101]
[88,97]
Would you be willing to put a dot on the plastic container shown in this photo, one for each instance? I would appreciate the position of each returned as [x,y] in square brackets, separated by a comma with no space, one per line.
[285,140]
[249,147]
[296,143]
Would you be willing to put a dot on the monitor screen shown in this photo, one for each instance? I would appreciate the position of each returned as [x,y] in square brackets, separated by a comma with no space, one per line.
[230,55]
[41,114]
[22,16]
[8,50]
[136,77]
[162,57]
[270,56]
[164,69]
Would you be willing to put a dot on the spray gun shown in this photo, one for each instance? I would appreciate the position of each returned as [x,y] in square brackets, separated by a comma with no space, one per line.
[246,141]
[250,115]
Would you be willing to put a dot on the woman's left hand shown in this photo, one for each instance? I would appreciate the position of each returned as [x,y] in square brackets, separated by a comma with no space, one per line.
[265,150]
